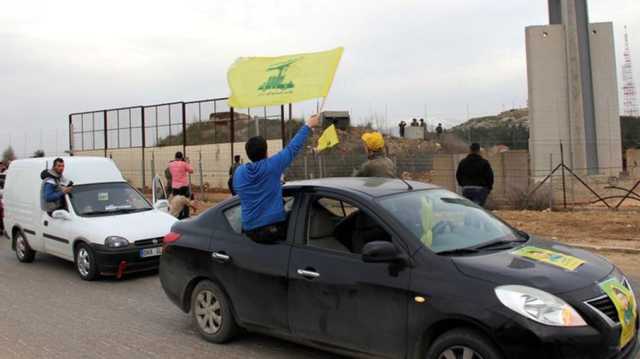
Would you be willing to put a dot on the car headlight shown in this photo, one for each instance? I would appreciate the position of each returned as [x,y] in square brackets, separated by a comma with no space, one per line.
[539,306]
[115,242]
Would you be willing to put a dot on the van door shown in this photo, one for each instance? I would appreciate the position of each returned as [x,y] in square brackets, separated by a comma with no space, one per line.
[159,195]
[57,233]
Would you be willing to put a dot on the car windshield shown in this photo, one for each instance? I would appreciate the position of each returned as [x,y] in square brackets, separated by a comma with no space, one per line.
[448,223]
[106,199]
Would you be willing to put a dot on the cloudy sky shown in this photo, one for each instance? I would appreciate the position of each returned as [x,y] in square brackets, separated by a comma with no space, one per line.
[402,58]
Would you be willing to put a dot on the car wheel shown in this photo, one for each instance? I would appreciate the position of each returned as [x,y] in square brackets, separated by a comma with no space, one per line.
[85,262]
[24,253]
[462,344]
[212,314]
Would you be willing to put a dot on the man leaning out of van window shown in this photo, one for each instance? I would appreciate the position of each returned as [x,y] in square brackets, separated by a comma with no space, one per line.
[55,186]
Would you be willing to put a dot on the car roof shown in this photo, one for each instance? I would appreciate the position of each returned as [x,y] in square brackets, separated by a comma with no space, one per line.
[371,186]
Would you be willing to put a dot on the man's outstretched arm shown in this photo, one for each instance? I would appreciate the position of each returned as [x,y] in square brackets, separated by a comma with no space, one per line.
[283,159]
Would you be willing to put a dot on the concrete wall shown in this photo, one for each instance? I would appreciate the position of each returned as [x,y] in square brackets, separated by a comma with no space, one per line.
[548,104]
[414,133]
[603,64]
[555,104]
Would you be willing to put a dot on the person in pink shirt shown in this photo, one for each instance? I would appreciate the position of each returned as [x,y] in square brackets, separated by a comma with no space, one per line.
[180,170]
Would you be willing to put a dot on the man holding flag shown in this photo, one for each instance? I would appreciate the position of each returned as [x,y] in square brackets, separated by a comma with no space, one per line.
[260,189]
[265,81]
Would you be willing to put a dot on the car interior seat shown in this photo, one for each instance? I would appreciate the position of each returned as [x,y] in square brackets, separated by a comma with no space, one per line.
[321,228]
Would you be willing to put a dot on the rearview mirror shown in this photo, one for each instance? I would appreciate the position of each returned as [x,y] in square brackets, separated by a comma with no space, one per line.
[61,214]
[162,205]
[380,252]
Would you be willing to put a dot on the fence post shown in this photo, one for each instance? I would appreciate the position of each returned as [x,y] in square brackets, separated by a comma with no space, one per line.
[144,145]
[201,176]
[284,140]
[184,128]
[232,135]
[306,170]
[70,136]
[106,138]
[551,181]
[153,164]
[564,183]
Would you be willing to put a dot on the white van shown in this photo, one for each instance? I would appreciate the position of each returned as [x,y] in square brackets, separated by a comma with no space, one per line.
[107,227]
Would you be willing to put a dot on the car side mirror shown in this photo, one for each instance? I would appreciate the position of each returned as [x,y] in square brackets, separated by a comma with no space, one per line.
[61,214]
[380,252]
[162,205]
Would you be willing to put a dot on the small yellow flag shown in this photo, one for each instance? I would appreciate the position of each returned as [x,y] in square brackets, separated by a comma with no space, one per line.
[263,81]
[328,139]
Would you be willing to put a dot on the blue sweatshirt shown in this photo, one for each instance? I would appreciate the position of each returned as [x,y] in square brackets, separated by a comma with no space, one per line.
[51,193]
[259,187]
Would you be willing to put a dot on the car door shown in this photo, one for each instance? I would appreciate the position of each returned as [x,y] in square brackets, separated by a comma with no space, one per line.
[336,298]
[253,274]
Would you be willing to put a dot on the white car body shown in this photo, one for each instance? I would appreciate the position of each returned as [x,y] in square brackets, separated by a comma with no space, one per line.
[60,233]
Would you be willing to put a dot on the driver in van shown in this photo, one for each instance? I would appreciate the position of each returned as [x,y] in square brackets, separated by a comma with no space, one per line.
[55,186]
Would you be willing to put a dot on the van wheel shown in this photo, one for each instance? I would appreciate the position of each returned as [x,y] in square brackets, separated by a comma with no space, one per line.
[24,253]
[463,343]
[85,262]
[212,315]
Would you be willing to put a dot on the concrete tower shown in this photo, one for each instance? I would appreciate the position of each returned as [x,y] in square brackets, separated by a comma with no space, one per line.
[573,93]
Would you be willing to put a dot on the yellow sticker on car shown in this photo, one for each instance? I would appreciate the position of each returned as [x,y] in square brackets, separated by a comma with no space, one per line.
[557,259]
[625,304]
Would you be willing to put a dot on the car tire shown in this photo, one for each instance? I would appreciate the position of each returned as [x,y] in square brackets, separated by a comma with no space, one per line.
[460,342]
[85,262]
[24,253]
[212,313]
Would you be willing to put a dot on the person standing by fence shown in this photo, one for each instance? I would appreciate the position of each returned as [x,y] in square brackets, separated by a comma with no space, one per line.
[236,163]
[180,170]
[475,176]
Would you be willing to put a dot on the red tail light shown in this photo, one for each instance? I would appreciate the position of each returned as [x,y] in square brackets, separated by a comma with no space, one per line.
[170,238]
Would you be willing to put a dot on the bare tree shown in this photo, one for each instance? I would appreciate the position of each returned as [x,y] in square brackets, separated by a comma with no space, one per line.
[8,155]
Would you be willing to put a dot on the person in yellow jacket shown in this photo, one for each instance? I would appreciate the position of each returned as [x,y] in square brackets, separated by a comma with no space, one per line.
[378,164]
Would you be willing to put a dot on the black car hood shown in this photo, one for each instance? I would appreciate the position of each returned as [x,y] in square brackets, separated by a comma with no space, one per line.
[505,268]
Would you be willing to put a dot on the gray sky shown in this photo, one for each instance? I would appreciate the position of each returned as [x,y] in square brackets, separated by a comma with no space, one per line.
[401,56]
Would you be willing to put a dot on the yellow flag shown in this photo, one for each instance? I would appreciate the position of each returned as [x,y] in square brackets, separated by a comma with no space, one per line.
[328,139]
[263,81]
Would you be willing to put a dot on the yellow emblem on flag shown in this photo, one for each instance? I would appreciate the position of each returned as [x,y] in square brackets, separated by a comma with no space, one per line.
[263,81]
[328,139]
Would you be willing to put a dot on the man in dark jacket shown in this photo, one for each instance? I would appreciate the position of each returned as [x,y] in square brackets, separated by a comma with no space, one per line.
[475,176]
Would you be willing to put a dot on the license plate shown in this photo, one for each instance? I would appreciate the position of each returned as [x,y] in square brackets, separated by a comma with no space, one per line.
[150,252]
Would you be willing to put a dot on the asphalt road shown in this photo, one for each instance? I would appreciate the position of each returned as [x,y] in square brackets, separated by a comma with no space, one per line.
[46,311]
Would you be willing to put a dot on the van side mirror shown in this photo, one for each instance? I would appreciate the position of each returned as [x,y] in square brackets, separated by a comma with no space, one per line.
[381,252]
[61,214]
[162,205]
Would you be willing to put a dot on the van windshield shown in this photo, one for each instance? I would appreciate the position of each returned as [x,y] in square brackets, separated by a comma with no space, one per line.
[103,199]
[447,223]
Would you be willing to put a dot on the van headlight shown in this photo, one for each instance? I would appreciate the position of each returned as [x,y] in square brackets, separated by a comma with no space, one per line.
[539,306]
[115,242]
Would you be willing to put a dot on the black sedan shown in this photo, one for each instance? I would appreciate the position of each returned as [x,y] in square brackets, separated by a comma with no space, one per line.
[393,269]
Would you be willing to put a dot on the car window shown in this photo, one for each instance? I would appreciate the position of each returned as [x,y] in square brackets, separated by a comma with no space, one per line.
[234,214]
[444,221]
[104,199]
[341,226]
